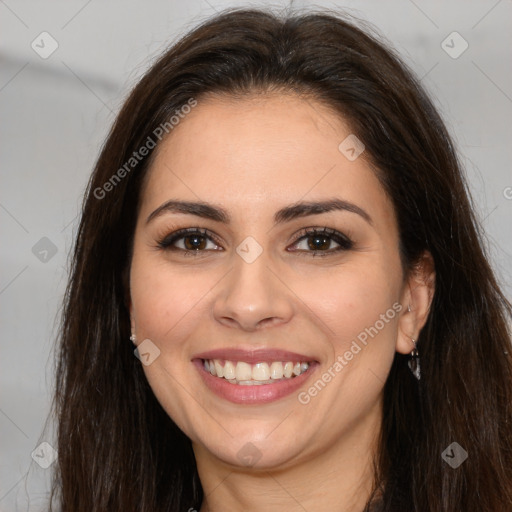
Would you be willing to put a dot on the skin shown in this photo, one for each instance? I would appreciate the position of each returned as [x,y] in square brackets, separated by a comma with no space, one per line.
[253,156]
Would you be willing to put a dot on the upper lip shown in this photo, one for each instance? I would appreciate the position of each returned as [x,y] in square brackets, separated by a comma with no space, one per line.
[253,356]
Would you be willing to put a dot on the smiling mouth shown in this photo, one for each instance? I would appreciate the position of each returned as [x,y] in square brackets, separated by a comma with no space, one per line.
[245,374]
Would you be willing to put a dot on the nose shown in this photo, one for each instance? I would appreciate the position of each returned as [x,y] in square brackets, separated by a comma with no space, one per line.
[252,296]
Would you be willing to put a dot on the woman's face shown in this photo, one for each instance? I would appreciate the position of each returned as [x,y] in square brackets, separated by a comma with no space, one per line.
[257,295]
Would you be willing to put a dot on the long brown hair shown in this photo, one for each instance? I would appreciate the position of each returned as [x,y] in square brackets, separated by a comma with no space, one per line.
[118,450]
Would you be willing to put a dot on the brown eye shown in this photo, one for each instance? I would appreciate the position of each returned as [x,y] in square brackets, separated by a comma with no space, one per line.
[191,241]
[194,242]
[318,241]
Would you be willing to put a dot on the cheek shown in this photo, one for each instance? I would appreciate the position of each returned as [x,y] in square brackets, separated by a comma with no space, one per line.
[167,307]
[165,302]
[153,300]
[351,299]
[359,309]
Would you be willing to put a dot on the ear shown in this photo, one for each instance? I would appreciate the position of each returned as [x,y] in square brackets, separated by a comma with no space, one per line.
[127,295]
[416,300]
[132,321]
[132,316]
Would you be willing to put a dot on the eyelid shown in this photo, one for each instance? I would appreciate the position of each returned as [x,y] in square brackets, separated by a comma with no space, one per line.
[167,241]
[344,241]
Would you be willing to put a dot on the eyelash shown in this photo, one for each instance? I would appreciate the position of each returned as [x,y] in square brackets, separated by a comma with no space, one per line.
[345,243]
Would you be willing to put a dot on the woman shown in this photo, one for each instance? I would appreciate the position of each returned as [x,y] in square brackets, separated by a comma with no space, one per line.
[279,223]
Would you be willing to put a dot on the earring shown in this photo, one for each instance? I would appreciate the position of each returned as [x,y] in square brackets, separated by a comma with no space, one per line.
[414,361]
[133,339]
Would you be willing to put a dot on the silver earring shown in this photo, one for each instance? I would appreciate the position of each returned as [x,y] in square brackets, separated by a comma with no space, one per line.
[133,339]
[414,361]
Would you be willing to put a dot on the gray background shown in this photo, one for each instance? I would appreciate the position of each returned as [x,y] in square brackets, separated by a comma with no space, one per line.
[56,112]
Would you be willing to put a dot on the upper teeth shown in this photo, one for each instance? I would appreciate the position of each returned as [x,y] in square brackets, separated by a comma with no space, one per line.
[241,371]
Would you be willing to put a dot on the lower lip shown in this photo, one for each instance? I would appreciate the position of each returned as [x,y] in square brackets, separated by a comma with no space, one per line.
[257,394]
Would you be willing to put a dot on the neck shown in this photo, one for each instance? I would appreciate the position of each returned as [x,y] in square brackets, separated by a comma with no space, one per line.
[340,478]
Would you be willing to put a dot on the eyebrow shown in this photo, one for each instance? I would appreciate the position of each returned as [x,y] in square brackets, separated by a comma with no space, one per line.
[286,214]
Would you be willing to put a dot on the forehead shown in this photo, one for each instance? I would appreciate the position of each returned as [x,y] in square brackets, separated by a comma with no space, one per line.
[259,153]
